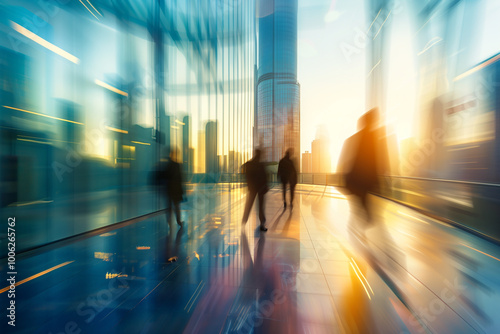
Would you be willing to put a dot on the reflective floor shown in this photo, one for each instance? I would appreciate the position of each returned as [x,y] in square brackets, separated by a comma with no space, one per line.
[321,268]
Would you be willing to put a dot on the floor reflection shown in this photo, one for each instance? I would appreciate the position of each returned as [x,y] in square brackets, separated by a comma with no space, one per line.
[318,269]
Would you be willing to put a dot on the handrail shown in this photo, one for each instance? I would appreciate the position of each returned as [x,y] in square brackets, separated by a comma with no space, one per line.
[444,180]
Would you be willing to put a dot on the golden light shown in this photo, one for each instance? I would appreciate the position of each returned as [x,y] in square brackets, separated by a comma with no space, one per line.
[38,275]
[140,143]
[116,130]
[38,114]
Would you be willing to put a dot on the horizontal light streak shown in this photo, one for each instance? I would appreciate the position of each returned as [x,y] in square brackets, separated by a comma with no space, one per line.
[413,217]
[38,275]
[37,39]
[140,143]
[38,114]
[34,141]
[109,87]
[477,68]
[116,130]
[30,203]
[109,234]
[477,250]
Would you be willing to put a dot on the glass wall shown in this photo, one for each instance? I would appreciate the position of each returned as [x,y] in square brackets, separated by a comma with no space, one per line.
[93,94]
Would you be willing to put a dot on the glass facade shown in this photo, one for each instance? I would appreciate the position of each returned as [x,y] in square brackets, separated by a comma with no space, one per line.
[93,93]
[277,121]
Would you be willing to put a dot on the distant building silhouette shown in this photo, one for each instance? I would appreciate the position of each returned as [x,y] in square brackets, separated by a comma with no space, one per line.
[200,161]
[211,157]
[320,151]
[307,162]
[187,163]
[234,162]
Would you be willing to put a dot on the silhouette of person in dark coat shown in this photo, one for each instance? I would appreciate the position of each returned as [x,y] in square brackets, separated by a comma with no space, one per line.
[368,158]
[287,174]
[255,172]
[172,176]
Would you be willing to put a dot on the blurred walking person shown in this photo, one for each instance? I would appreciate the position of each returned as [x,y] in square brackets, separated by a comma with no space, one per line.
[287,174]
[172,179]
[256,176]
[364,159]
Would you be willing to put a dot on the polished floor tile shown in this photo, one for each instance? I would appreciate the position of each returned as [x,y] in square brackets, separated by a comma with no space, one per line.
[314,271]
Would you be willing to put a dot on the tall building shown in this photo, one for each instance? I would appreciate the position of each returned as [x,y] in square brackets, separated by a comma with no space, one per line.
[277,117]
[320,152]
[307,162]
[186,144]
[200,161]
[211,157]
[234,162]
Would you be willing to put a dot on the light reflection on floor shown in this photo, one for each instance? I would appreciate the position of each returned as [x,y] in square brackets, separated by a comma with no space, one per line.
[314,271]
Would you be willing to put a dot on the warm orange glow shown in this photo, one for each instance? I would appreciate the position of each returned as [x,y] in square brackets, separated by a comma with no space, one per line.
[359,278]
[38,275]
[363,276]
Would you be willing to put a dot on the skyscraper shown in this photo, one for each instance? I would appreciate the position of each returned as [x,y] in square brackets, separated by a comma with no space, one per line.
[320,150]
[307,162]
[277,117]
[211,158]
[186,144]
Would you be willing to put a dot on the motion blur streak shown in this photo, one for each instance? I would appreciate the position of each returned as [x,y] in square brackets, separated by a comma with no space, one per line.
[111,88]
[38,275]
[38,114]
[37,39]
[251,166]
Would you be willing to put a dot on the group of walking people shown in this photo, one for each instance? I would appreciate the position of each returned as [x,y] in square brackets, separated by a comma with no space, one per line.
[169,177]
[364,157]
[256,175]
